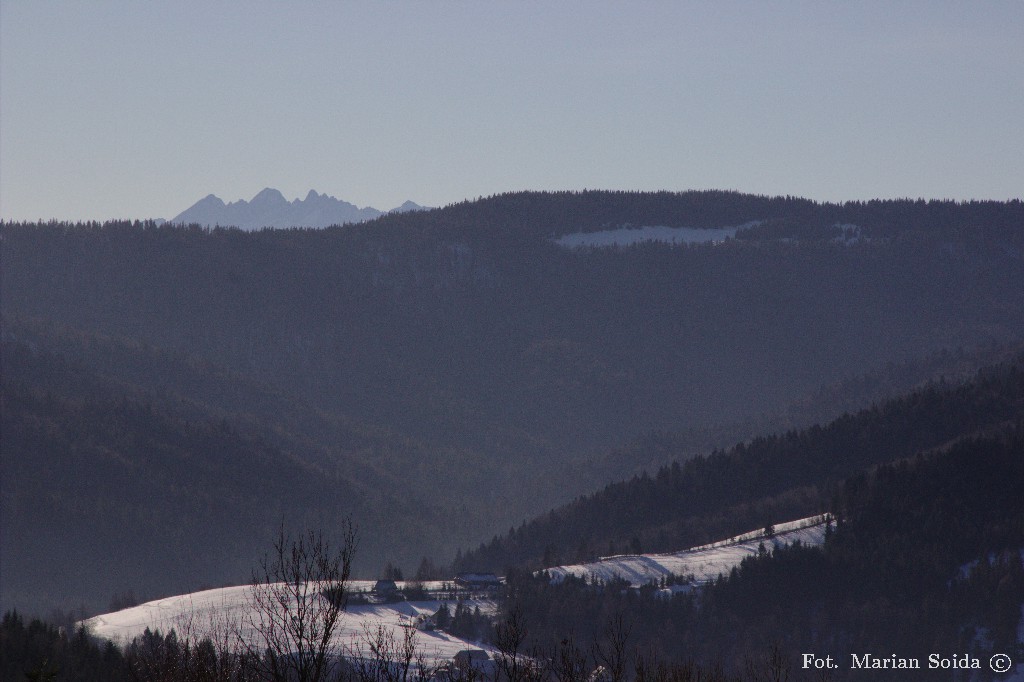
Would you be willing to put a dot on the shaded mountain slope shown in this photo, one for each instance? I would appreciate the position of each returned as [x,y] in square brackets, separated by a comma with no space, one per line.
[468,326]
[110,488]
[760,481]
[926,561]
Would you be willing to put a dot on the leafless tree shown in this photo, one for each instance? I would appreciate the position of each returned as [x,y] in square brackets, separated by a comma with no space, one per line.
[297,595]
[611,652]
[217,656]
[385,659]
[568,662]
[509,639]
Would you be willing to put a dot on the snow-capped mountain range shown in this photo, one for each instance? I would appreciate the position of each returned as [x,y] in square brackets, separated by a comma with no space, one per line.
[269,208]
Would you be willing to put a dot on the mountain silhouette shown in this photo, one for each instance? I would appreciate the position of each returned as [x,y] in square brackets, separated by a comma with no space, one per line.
[269,208]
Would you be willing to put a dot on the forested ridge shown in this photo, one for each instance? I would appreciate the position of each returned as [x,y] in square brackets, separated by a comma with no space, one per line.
[107,491]
[926,559]
[442,375]
[765,480]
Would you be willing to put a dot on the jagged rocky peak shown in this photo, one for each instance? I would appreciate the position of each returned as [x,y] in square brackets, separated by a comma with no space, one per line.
[269,208]
[210,200]
[268,195]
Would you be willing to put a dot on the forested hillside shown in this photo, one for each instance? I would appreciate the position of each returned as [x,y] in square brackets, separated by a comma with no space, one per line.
[109,491]
[756,483]
[442,375]
[927,559]
[468,325]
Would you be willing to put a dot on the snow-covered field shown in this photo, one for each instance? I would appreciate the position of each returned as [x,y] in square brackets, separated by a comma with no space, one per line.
[219,613]
[625,236]
[703,563]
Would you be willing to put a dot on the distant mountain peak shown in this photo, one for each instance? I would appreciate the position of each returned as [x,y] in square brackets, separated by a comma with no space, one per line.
[268,195]
[269,208]
[408,206]
[210,200]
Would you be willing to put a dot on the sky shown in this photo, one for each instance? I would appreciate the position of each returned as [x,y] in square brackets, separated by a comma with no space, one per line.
[139,109]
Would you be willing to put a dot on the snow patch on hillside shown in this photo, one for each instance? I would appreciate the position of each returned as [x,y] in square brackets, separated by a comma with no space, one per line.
[849,234]
[222,611]
[704,563]
[629,235]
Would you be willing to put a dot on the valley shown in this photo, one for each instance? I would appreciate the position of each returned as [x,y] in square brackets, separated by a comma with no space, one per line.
[529,385]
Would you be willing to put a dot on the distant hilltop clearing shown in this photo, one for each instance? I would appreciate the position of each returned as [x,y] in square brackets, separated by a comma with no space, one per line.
[269,208]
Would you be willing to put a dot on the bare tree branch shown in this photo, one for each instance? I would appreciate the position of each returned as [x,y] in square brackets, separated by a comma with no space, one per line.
[297,595]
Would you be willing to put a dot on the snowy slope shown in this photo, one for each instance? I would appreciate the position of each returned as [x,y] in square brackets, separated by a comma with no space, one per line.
[704,563]
[217,612]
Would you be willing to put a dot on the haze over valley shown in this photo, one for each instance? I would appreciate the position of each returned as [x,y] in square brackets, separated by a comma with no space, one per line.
[511,342]
[442,375]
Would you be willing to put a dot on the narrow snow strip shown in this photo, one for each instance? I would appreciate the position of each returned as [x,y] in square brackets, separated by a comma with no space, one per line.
[626,236]
[704,563]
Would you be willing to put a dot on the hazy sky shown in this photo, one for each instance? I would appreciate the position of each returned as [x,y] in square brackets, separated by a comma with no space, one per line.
[138,109]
